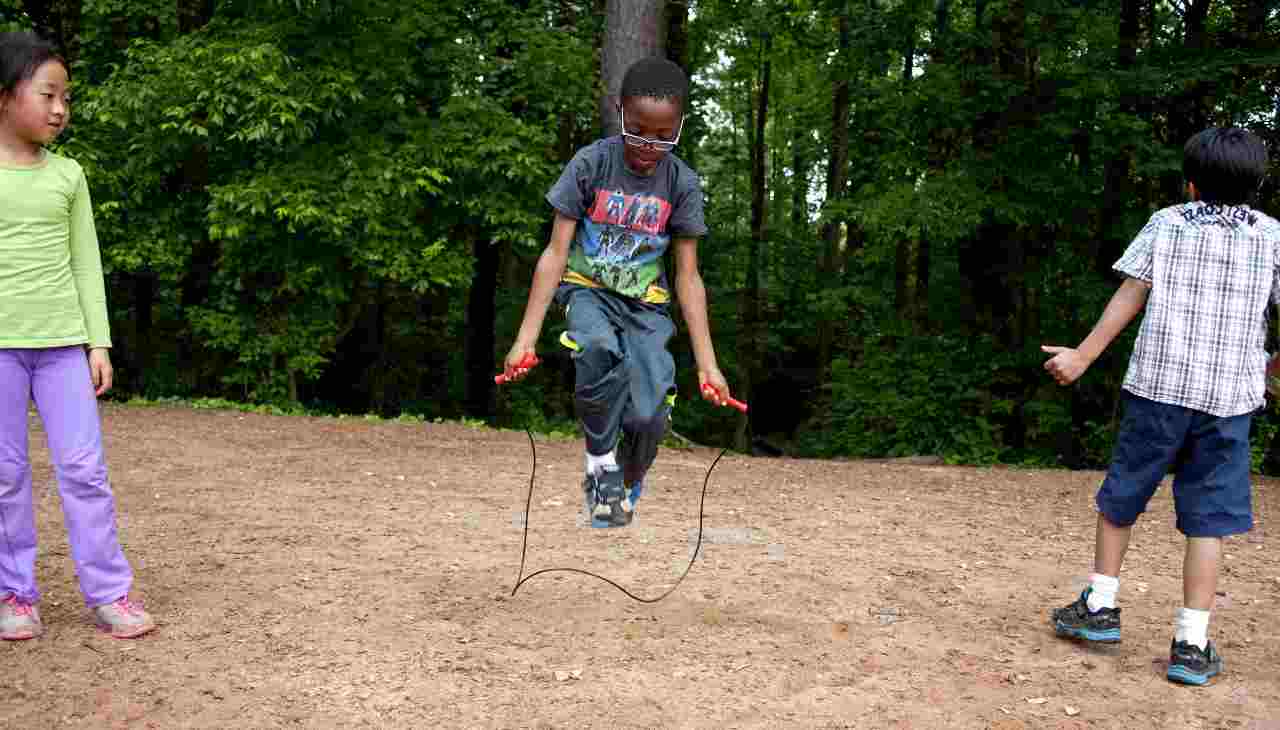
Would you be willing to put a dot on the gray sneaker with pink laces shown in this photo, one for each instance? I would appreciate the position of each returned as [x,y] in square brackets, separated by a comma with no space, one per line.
[123,619]
[18,620]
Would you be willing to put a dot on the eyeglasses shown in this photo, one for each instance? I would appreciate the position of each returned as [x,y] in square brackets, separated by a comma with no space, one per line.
[635,140]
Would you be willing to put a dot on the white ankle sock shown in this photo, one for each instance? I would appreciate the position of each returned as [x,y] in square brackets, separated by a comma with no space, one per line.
[1104,591]
[596,464]
[1192,626]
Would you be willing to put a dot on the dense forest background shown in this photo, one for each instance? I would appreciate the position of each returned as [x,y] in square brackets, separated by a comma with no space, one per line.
[337,204]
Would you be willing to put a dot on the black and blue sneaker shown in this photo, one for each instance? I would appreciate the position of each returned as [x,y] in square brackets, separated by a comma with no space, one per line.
[1189,664]
[635,492]
[1076,621]
[608,503]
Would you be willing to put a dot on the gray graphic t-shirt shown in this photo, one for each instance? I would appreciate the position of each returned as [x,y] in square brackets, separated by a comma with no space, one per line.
[625,220]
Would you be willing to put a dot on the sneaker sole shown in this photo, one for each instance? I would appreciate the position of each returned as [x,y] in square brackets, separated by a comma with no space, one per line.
[1182,675]
[605,522]
[1106,636]
[131,633]
[620,519]
[21,635]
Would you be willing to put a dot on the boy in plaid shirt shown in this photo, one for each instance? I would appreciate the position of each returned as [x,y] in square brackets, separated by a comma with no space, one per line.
[1205,272]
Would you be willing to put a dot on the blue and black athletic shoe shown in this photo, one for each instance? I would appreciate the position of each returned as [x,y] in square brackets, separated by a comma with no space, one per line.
[635,492]
[1189,664]
[1076,621]
[608,503]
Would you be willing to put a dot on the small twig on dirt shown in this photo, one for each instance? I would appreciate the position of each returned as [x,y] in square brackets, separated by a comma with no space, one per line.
[87,645]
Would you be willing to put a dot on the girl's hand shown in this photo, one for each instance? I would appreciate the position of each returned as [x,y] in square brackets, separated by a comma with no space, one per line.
[100,370]
[715,379]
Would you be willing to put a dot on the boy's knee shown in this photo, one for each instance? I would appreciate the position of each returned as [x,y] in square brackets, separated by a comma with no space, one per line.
[1121,506]
[653,425]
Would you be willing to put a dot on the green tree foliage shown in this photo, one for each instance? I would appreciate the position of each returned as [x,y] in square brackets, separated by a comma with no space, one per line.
[340,203]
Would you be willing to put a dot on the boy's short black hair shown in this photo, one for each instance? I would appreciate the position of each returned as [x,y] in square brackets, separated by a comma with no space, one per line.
[657,78]
[1226,164]
[21,55]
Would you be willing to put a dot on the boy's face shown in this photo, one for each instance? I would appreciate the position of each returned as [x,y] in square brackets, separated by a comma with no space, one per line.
[653,119]
[39,107]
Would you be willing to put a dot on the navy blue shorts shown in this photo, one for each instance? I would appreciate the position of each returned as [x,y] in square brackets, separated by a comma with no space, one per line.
[1208,455]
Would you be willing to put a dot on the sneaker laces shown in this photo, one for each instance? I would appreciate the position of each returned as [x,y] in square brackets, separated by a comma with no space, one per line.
[19,607]
[127,607]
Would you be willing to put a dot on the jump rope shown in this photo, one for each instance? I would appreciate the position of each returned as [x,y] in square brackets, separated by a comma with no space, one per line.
[530,361]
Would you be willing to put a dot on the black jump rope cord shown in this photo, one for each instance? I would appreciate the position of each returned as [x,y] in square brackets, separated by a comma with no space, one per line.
[524,546]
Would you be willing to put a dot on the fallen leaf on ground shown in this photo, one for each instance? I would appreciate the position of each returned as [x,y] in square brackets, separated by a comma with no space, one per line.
[564,676]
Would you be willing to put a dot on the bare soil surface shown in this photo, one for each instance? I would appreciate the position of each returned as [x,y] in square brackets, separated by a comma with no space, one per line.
[313,572]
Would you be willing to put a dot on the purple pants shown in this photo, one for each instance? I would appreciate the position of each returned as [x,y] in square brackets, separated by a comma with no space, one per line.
[57,379]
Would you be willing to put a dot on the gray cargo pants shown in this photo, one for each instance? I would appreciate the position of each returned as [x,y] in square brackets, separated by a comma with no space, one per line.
[625,377]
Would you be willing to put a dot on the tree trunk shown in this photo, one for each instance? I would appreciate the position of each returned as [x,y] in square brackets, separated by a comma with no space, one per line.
[837,174]
[634,29]
[904,262]
[992,260]
[193,179]
[921,298]
[565,137]
[902,277]
[799,180]
[141,355]
[1189,110]
[1248,33]
[481,316]
[678,32]
[678,51]
[1116,190]
[751,351]
[194,15]
[57,21]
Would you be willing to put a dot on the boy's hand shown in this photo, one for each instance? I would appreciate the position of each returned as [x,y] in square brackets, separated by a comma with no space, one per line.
[516,365]
[1273,376]
[713,377]
[100,370]
[1066,365]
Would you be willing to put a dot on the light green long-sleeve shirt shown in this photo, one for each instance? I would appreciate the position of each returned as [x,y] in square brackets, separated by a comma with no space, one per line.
[52,292]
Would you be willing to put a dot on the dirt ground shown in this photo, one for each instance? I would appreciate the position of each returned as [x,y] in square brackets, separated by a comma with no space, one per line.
[350,573]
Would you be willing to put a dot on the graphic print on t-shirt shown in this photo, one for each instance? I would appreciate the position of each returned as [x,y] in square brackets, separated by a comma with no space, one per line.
[622,241]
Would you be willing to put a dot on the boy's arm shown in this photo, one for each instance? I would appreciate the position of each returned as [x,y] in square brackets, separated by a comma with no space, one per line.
[693,304]
[546,277]
[1068,364]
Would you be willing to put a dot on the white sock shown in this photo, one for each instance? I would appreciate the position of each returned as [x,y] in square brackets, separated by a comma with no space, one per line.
[596,464]
[1104,591]
[1192,626]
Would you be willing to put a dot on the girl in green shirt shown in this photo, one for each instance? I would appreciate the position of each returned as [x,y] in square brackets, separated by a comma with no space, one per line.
[53,310]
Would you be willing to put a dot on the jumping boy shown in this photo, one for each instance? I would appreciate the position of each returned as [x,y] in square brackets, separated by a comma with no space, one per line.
[1205,271]
[618,205]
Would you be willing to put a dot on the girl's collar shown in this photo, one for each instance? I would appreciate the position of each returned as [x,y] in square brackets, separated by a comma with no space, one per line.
[41,163]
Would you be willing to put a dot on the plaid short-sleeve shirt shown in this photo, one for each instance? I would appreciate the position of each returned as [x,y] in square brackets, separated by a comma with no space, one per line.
[1212,270]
